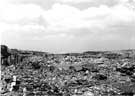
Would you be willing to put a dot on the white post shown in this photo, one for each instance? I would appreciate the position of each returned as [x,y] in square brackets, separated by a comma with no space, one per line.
[12,84]
[24,91]
[14,78]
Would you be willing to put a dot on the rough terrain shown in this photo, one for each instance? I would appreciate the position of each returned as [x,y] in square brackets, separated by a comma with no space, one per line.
[91,73]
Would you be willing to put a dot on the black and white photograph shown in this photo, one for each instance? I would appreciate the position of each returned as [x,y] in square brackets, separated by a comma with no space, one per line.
[67,47]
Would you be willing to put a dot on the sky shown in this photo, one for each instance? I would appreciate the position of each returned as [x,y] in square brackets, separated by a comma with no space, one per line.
[68,25]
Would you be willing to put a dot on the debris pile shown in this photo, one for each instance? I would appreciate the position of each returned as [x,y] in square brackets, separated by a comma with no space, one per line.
[83,74]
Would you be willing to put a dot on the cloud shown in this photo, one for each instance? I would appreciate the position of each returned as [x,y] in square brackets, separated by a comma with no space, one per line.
[94,2]
[63,17]
[66,25]
[14,13]
[74,1]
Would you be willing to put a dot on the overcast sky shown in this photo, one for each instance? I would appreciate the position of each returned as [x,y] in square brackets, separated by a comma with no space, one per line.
[68,25]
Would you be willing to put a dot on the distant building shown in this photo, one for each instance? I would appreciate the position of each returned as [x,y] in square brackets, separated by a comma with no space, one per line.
[5,55]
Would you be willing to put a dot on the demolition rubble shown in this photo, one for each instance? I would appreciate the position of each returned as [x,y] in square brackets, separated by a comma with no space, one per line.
[91,73]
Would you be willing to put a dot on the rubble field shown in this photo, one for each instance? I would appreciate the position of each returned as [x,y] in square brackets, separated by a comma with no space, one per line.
[91,73]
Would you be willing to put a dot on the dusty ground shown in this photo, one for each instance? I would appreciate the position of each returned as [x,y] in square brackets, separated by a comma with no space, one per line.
[70,75]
